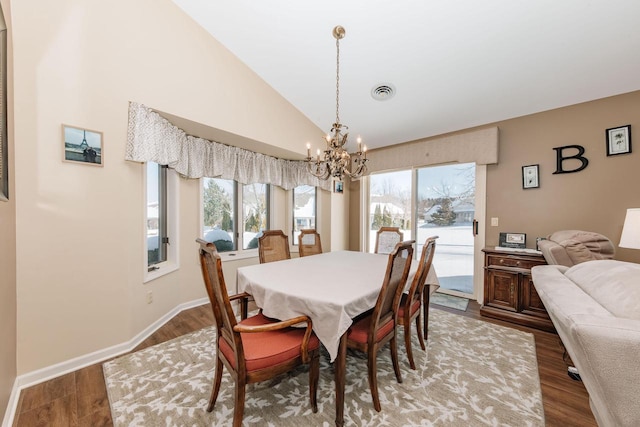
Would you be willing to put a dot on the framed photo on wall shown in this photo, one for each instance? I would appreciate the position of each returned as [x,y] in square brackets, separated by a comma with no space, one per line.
[619,140]
[338,186]
[530,176]
[82,146]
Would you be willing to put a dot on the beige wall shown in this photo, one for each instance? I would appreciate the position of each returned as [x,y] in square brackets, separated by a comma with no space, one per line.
[8,261]
[80,229]
[594,199]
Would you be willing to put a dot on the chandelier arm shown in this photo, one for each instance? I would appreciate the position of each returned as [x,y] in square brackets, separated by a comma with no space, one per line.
[321,171]
[357,173]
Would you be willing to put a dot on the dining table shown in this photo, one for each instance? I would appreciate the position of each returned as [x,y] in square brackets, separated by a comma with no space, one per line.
[332,289]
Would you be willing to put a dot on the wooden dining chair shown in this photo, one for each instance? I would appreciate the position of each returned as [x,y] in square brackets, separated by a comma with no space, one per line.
[273,245]
[309,243]
[387,238]
[371,331]
[257,348]
[411,302]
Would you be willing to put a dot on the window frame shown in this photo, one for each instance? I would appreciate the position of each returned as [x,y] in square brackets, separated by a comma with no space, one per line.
[238,217]
[241,214]
[294,240]
[169,197]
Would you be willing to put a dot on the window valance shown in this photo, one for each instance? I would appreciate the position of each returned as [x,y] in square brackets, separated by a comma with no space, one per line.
[152,138]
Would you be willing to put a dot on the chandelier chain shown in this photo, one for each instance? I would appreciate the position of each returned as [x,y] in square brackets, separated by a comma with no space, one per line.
[338,80]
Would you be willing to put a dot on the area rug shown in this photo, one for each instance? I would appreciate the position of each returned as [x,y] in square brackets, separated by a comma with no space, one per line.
[473,374]
[450,301]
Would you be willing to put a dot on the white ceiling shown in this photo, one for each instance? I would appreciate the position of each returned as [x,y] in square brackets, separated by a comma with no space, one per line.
[455,64]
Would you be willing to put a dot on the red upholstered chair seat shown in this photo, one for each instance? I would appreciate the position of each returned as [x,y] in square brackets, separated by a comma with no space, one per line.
[360,330]
[414,307]
[266,349]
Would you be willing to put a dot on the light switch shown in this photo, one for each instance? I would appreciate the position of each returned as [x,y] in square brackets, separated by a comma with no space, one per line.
[494,222]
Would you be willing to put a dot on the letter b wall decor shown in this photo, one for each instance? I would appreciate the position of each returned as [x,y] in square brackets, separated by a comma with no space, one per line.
[561,157]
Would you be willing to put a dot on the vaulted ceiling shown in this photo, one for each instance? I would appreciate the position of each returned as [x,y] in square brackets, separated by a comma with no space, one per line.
[453,64]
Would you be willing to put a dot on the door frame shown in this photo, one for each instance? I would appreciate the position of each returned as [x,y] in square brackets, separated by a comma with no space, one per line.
[479,215]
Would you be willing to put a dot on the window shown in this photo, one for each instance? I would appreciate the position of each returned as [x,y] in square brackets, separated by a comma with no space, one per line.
[389,203]
[304,209]
[218,209]
[161,220]
[225,201]
[157,239]
[255,213]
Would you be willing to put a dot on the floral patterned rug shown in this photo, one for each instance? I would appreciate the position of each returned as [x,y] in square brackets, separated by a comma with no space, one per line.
[473,374]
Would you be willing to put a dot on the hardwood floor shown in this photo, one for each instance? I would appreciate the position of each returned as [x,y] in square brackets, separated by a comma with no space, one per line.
[80,398]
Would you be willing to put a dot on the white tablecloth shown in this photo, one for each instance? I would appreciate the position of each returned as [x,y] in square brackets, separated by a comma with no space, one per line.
[331,288]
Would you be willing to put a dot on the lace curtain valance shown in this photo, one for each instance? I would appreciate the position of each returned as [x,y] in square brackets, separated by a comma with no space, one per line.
[151,138]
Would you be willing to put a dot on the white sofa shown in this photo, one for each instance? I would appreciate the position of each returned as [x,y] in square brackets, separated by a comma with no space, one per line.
[595,307]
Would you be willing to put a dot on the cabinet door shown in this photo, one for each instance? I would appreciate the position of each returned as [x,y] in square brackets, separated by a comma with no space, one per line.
[502,290]
[531,303]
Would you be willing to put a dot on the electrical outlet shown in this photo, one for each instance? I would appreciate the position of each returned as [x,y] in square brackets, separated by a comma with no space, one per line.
[494,222]
[149,297]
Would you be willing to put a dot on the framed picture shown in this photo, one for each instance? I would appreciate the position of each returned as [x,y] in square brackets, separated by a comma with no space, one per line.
[618,140]
[338,186]
[513,240]
[530,176]
[82,146]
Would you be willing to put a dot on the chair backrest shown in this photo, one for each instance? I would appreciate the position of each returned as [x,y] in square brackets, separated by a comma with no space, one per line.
[395,279]
[225,318]
[273,245]
[387,238]
[426,258]
[309,243]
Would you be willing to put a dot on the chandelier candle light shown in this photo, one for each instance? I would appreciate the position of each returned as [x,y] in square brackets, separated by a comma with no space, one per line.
[336,160]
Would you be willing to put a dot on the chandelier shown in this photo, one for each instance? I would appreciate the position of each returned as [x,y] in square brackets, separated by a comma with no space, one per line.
[336,161]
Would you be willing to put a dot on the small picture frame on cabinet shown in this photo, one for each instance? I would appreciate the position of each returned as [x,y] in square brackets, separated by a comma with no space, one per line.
[513,240]
[530,176]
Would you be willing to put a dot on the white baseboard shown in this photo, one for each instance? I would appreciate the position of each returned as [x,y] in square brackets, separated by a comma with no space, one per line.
[36,377]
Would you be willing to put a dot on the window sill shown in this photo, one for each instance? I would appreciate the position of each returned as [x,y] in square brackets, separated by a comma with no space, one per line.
[238,255]
[164,269]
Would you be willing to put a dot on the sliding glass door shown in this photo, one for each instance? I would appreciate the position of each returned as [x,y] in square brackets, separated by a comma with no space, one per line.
[446,208]
[434,201]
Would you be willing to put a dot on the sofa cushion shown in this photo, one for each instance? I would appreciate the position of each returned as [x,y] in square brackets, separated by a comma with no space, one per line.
[570,247]
[599,246]
[578,251]
[613,284]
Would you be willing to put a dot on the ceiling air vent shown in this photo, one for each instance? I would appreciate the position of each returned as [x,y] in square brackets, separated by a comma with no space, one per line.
[383,92]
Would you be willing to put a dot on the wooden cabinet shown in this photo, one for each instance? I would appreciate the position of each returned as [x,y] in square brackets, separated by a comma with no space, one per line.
[509,293]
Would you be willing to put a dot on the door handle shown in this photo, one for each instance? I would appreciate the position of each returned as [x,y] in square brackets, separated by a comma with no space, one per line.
[474,228]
